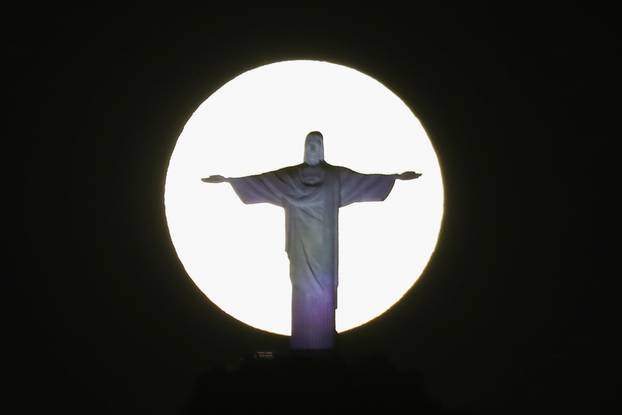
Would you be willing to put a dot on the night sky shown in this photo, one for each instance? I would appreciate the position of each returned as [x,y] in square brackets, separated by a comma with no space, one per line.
[508,316]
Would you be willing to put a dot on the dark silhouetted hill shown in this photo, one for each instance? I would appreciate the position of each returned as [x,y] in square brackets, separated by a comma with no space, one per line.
[310,383]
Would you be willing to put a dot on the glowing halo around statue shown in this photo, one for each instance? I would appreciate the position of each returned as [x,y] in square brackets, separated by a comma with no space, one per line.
[256,123]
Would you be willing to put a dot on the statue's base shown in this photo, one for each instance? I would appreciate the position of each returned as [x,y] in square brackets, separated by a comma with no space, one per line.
[292,362]
[328,355]
[309,381]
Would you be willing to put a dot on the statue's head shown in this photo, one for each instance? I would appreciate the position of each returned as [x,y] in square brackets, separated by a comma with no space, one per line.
[314,148]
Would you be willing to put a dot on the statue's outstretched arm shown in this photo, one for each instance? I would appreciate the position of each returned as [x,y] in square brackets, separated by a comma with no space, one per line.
[257,188]
[215,179]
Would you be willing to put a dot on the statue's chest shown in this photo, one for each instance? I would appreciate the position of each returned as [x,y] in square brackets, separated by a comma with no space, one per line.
[318,187]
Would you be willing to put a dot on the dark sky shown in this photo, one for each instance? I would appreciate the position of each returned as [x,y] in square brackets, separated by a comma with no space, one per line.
[518,102]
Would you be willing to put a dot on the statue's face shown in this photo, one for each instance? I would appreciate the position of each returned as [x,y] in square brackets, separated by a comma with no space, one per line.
[314,150]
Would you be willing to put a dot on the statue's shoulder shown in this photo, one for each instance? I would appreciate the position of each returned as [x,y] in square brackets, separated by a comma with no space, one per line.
[337,169]
[288,170]
[293,167]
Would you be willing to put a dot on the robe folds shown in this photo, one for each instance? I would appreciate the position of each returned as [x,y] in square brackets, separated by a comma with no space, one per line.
[311,197]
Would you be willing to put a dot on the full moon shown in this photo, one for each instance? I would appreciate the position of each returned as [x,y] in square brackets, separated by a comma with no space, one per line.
[257,122]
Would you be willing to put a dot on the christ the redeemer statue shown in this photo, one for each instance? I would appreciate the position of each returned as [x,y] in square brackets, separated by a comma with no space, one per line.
[311,194]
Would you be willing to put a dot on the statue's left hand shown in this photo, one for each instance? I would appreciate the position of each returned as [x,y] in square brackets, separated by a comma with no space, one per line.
[217,178]
[408,175]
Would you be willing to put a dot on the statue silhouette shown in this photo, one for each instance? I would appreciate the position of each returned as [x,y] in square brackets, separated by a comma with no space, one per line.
[311,194]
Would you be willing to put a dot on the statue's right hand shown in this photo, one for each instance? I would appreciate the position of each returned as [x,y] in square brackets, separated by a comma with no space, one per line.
[408,175]
[214,179]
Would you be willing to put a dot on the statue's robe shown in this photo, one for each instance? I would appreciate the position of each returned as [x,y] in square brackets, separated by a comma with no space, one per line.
[311,197]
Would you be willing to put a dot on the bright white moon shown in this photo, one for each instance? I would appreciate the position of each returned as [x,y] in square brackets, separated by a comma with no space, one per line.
[257,122]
